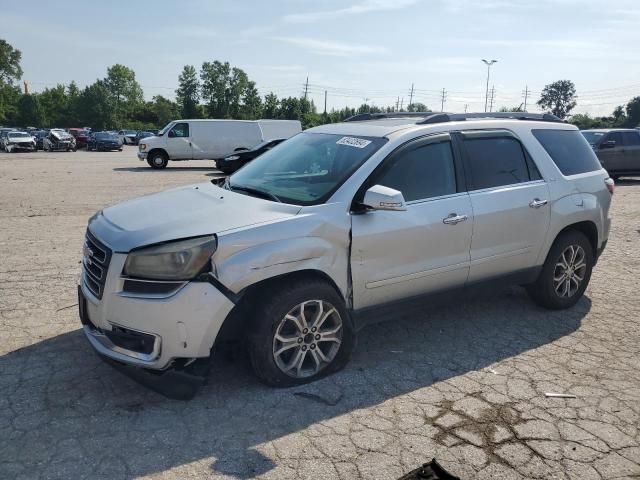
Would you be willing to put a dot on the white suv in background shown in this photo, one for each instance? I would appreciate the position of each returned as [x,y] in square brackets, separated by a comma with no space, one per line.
[294,252]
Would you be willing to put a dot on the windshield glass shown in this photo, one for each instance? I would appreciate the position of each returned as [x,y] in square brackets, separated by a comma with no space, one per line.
[18,135]
[106,136]
[130,132]
[593,137]
[307,168]
[166,127]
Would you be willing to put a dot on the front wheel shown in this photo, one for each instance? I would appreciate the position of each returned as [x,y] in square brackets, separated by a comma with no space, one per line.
[300,332]
[566,272]
[157,160]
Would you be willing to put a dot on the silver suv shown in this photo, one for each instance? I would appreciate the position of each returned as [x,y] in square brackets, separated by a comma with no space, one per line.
[297,249]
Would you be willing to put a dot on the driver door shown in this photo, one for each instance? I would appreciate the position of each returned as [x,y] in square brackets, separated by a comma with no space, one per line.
[179,142]
[400,254]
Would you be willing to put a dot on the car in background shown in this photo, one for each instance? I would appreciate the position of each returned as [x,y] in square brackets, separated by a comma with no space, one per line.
[3,135]
[39,137]
[19,141]
[59,140]
[618,149]
[236,160]
[81,135]
[104,141]
[143,134]
[128,137]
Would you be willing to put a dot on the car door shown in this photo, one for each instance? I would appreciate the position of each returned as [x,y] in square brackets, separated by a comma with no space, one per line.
[510,202]
[611,152]
[399,254]
[179,142]
[631,154]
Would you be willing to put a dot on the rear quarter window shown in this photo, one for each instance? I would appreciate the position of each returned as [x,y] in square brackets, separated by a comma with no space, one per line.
[569,150]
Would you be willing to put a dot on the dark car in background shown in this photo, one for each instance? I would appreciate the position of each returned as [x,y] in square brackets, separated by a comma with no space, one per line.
[104,141]
[143,134]
[233,162]
[618,149]
[81,135]
[39,136]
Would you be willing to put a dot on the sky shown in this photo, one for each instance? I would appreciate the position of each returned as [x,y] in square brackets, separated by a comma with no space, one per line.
[359,51]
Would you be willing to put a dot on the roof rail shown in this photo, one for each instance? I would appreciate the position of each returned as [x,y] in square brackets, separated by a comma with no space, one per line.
[456,117]
[377,116]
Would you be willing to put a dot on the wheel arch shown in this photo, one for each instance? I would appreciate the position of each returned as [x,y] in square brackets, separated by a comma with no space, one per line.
[587,227]
[158,149]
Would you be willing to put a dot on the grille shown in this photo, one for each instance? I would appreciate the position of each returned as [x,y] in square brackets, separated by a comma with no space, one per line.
[95,260]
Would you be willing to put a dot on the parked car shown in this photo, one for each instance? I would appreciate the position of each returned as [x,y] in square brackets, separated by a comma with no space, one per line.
[19,141]
[127,137]
[3,136]
[233,162]
[58,140]
[39,136]
[81,135]
[210,139]
[104,141]
[618,149]
[143,134]
[303,246]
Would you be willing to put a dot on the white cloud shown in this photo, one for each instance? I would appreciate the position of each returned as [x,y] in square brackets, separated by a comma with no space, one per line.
[365,6]
[326,47]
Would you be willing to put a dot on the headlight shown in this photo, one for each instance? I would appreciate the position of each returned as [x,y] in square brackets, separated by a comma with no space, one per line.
[181,260]
[232,157]
[143,147]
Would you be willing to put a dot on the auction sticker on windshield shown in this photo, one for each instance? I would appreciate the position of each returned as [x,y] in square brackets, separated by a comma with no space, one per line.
[353,142]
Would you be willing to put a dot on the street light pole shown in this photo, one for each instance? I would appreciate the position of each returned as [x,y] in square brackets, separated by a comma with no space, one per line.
[486,95]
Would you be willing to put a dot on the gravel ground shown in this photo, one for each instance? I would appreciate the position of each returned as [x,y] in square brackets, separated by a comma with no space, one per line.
[464,384]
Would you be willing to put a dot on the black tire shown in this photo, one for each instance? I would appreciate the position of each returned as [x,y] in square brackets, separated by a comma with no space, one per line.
[615,178]
[271,307]
[542,291]
[157,160]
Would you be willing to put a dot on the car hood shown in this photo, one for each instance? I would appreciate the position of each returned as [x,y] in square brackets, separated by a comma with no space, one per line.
[21,140]
[185,212]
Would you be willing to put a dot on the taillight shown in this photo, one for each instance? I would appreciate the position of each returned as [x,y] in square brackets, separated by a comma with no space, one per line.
[611,185]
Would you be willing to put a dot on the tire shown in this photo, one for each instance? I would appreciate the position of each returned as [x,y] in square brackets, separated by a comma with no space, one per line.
[615,178]
[270,319]
[119,149]
[544,291]
[157,160]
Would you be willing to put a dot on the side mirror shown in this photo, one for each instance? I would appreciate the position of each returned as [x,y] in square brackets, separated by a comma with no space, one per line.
[171,134]
[380,197]
[608,144]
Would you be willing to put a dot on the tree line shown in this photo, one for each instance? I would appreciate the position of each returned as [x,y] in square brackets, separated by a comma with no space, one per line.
[217,90]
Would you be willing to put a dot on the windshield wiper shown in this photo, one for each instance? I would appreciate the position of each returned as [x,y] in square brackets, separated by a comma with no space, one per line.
[254,191]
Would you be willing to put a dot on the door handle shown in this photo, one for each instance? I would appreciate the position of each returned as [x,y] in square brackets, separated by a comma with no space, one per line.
[537,203]
[454,218]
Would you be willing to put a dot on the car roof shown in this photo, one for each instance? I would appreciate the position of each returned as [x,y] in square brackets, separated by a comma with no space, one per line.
[607,130]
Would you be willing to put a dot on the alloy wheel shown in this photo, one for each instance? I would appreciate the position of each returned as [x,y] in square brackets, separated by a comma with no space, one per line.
[307,339]
[569,271]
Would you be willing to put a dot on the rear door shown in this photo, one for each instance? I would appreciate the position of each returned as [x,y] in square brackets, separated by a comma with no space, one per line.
[631,154]
[399,254]
[510,202]
[612,158]
[179,142]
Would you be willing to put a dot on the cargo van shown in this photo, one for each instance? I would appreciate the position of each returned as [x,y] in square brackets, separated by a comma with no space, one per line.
[210,139]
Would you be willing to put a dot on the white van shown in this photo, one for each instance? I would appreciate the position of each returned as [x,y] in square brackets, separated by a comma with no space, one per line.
[210,139]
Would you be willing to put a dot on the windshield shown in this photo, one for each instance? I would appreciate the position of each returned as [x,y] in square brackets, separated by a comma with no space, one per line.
[18,135]
[307,168]
[166,127]
[593,137]
[130,132]
[106,136]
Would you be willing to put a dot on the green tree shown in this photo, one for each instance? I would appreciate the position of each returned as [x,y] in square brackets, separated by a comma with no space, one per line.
[270,106]
[633,112]
[558,98]
[511,109]
[124,91]
[188,93]
[228,91]
[54,102]
[29,111]
[418,107]
[9,63]
[9,97]
[94,106]
[164,110]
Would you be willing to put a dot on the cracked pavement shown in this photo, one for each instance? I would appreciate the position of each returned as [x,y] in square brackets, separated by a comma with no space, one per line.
[464,383]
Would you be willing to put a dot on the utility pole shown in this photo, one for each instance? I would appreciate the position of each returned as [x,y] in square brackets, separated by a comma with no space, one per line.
[486,95]
[325,102]
[401,102]
[398,105]
[466,105]
[493,92]
[444,96]
[306,87]
[411,97]
[526,96]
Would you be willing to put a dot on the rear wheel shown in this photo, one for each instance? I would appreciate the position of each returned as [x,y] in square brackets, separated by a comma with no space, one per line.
[300,332]
[566,272]
[157,160]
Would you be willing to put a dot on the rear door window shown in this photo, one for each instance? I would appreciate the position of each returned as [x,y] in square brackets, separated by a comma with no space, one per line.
[569,150]
[631,139]
[496,161]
